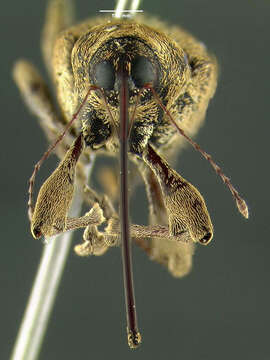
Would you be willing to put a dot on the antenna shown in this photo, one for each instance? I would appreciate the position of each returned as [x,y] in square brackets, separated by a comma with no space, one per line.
[240,202]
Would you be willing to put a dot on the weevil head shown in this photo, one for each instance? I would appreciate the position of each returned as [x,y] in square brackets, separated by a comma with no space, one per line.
[149,57]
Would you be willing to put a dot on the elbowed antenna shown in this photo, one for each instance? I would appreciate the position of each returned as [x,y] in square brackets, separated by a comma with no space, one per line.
[240,202]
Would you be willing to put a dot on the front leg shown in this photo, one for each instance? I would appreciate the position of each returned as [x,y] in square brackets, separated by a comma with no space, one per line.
[185,206]
[174,254]
[37,97]
[55,196]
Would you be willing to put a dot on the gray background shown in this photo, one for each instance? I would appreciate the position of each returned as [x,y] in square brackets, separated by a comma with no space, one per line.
[221,310]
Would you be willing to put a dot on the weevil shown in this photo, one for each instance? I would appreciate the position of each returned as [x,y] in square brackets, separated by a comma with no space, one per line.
[134,88]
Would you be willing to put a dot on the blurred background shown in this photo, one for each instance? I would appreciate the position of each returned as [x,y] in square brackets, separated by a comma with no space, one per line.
[221,309]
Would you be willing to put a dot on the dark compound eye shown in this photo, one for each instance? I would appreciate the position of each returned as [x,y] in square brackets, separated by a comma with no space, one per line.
[105,75]
[142,71]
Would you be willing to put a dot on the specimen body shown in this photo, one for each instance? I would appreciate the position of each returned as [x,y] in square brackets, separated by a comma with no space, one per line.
[170,78]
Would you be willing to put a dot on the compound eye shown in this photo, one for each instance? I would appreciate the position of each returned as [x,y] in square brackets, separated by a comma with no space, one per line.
[104,75]
[142,71]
